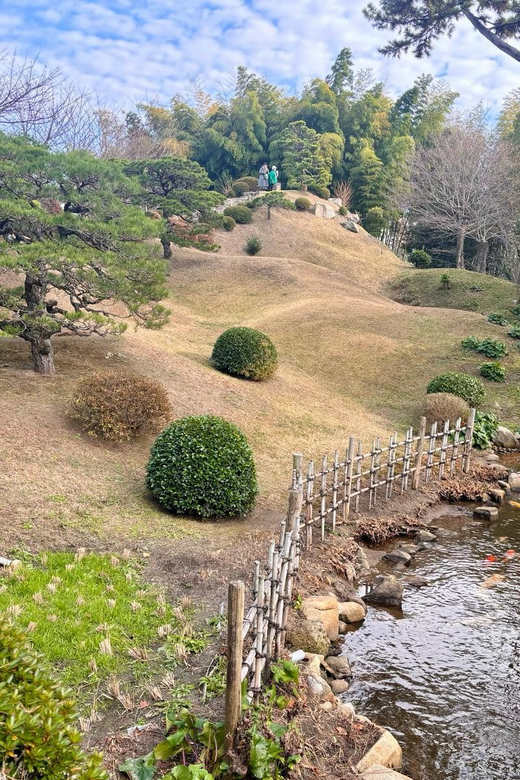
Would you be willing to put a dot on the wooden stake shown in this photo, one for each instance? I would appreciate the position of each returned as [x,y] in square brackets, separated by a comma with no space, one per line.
[468,441]
[236,592]
[308,505]
[335,469]
[297,467]
[323,492]
[419,454]
[431,452]
[349,464]
[455,448]
[444,448]
[359,469]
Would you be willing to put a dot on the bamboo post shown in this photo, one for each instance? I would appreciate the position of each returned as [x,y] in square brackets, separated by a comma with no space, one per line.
[255,579]
[295,506]
[390,466]
[419,454]
[349,463]
[431,452]
[323,493]
[444,448]
[308,507]
[406,459]
[259,639]
[297,467]
[335,469]
[455,448]
[236,592]
[293,568]
[277,617]
[371,475]
[359,469]
[468,441]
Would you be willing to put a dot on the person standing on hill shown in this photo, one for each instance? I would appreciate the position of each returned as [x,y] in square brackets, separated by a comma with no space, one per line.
[273,178]
[263,179]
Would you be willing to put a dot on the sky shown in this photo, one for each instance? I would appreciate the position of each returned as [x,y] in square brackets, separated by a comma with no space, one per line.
[130,50]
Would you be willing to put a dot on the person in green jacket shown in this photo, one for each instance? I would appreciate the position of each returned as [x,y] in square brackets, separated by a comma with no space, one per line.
[273,178]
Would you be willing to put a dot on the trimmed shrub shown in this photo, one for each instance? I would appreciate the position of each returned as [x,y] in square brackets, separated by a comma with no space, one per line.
[230,194]
[445,282]
[203,466]
[515,332]
[241,214]
[229,224]
[498,319]
[495,372]
[239,187]
[343,211]
[420,258]
[119,407]
[253,245]
[38,734]
[491,348]
[302,204]
[245,352]
[464,386]
[439,407]
[321,192]
[250,181]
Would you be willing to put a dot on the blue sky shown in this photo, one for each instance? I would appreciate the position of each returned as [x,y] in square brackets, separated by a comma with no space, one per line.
[127,50]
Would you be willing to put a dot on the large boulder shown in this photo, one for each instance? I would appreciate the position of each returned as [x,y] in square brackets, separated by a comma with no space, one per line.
[379,772]
[387,591]
[386,752]
[354,217]
[505,438]
[351,225]
[336,201]
[514,482]
[308,635]
[351,612]
[398,556]
[345,591]
[323,211]
[325,610]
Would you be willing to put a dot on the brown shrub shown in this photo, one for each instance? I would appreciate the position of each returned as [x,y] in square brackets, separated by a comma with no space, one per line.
[439,407]
[119,407]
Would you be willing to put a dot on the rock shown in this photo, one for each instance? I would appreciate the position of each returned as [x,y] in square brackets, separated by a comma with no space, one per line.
[352,612]
[400,567]
[339,686]
[504,485]
[326,705]
[298,656]
[338,666]
[347,708]
[486,512]
[415,581]
[308,635]
[398,556]
[386,752]
[351,225]
[336,201]
[354,217]
[323,211]
[411,549]
[505,438]
[387,591]
[346,592]
[315,685]
[496,495]
[379,772]
[514,482]
[492,458]
[325,610]
[425,536]
[343,628]
[362,562]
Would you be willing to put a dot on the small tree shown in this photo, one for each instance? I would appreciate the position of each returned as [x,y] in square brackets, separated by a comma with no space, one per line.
[77,248]
[272,200]
[303,157]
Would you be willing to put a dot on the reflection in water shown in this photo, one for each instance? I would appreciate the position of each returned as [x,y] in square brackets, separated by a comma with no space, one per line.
[445,678]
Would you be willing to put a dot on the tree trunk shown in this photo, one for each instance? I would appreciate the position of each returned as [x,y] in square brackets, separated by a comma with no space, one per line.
[481,256]
[43,356]
[167,248]
[461,235]
[268,212]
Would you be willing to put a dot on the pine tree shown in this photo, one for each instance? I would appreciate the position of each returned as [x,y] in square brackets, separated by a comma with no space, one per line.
[303,158]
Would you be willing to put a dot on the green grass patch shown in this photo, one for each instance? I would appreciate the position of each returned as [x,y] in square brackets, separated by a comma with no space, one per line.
[91,616]
[469,291]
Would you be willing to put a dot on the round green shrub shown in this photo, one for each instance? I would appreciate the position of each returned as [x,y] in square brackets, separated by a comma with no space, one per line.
[420,258]
[343,211]
[230,194]
[239,187]
[245,352]
[250,181]
[253,245]
[495,372]
[241,214]
[468,387]
[321,192]
[38,730]
[203,466]
[228,224]
[302,204]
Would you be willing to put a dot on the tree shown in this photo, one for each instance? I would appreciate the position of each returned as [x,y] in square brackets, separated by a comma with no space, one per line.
[303,159]
[341,76]
[422,110]
[422,22]
[366,177]
[272,200]
[78,252]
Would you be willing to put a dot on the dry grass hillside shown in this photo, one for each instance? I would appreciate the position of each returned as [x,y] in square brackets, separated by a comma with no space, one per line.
[352,361]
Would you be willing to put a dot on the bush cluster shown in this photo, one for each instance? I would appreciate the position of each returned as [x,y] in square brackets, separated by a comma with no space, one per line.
[439,407]
[445,282]
[228,224]
[516,310]
[464,386]
[420,258]
[245,352]
[253,245]
[37,718]
[119,407]
[239,187]
[495,372]
[321,192]
[302,204]
[241,214]
[515,332]
[343,211]
[250,181]
[203,466]
[491,348]
[498,319]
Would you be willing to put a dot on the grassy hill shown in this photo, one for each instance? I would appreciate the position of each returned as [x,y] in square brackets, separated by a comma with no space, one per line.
[352,361]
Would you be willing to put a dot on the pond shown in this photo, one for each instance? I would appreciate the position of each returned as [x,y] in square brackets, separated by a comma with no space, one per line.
[444,674]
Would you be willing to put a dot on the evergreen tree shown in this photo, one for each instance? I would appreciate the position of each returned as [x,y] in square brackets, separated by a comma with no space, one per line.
[303,159]
[76,246]
[341,76]
[366,177]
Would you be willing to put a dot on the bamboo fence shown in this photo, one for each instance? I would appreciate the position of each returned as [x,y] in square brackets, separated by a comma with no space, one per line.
[321,500]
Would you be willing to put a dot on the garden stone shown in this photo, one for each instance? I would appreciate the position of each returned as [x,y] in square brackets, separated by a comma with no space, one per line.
[400,566]
[415,581]
[504,485]
[387,591]
[505,438]
[308,635]
[351,225]
[425,536]
[325,610]
[492,459]
[343,627]
[386,752]
[326,705]
[379,772]
[352,612]
[486,512]
[411,549]
[315,686]
[323,211]
[337,666]
[336,201]
[339,686]
[354,217]
[398,556]
[514,482]
[497,495]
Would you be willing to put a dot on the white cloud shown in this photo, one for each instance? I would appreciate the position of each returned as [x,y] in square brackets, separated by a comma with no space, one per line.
[126,50]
